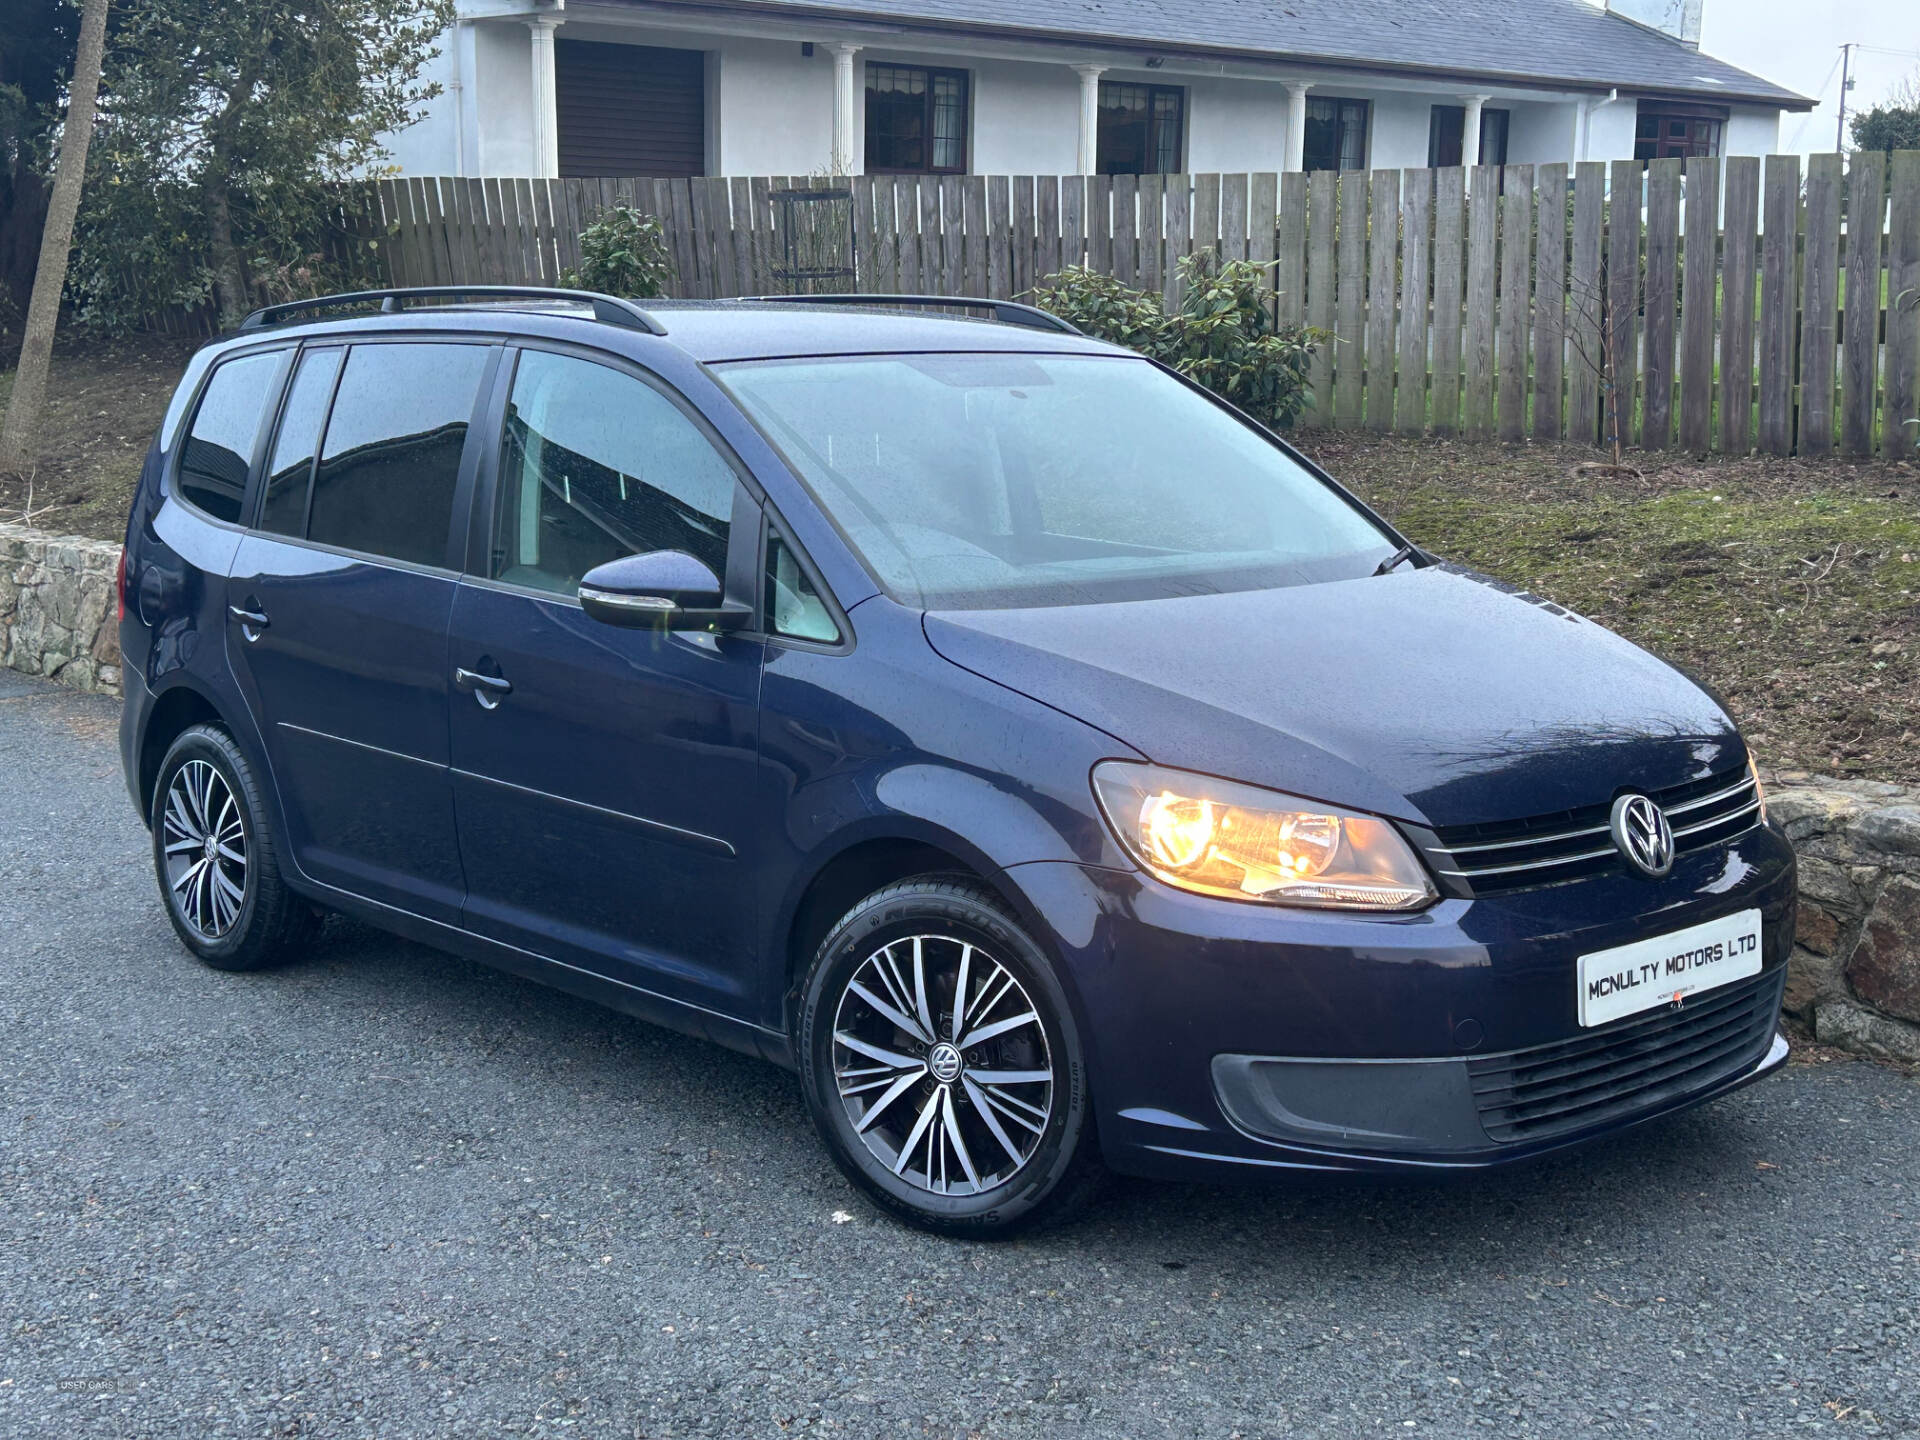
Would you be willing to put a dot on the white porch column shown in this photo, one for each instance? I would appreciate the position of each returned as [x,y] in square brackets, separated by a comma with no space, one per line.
[546,125]
[1470,129]
[1297,124]
[844,159]
[1089,116]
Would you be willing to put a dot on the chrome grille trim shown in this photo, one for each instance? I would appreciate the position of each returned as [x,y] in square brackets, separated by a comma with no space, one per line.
[1525,856]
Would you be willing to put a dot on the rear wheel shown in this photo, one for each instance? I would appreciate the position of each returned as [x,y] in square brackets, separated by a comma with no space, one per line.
[216,859]
[942,1066]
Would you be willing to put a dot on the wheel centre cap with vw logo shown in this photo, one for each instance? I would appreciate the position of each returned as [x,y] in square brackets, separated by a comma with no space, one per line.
[943,1061]
[1641,833]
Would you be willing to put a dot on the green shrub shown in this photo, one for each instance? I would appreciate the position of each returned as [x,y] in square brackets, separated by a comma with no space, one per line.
[1223,336]
[623,252]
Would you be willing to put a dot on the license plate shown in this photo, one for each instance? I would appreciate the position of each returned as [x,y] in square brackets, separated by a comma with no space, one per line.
[1630,978]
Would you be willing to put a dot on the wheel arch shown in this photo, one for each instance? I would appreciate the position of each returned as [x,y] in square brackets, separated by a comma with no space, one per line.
[864,863]
[174,711]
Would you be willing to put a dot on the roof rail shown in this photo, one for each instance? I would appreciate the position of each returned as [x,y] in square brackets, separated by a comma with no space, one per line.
[607,309]
[1007,312]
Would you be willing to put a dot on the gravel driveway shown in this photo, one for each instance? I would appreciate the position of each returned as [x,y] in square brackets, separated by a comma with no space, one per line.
[389,1193]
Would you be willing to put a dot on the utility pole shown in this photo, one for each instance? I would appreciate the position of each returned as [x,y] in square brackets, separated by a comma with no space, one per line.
[1846,84]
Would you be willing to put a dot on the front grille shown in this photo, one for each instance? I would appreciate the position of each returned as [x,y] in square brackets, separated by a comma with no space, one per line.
[1571,844]
[1628,1067]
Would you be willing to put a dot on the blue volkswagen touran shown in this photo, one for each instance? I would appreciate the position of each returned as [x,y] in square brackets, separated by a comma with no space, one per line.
[1049,764]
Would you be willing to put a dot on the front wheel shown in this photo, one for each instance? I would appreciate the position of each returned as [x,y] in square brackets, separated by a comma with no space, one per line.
[942,1066]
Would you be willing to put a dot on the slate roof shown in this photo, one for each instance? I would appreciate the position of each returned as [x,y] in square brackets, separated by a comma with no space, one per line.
[1540,43]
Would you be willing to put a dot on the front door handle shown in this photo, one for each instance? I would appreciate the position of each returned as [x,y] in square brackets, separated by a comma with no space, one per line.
[489,690]
[252,622]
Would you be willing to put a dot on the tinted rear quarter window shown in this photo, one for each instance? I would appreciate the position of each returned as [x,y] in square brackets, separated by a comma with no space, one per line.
[219,448]
[291,469]
[388,470]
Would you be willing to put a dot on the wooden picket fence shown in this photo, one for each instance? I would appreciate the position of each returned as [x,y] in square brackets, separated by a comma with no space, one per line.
[1725,304]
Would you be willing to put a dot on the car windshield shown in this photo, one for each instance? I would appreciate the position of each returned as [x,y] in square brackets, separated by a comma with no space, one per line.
[982,481]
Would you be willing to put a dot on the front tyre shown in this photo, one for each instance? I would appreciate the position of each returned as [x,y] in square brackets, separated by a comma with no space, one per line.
[216,859]
[942,1066]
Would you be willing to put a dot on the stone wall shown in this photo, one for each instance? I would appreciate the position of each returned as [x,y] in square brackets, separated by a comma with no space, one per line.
[1856,965]
[59,616]
[1856,961]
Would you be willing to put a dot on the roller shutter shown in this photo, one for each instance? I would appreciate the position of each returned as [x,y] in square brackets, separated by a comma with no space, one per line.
[630,109]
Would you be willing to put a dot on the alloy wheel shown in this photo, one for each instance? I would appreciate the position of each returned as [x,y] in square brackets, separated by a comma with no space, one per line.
[942,1063]
[204,843]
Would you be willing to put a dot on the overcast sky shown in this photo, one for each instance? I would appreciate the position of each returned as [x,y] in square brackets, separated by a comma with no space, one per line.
[1796,43]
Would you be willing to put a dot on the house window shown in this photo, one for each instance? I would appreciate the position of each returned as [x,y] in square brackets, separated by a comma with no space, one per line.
[1336,134]
[1664,131]
[916,120]
[1446,134]
[1140,129]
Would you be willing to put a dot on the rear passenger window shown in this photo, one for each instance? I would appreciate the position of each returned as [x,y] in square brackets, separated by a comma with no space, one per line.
[597,465]
[219,448]
[291,468]
[388,469]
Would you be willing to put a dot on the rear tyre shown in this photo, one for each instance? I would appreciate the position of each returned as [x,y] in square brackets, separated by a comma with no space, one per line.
[217,860]
[941,1063]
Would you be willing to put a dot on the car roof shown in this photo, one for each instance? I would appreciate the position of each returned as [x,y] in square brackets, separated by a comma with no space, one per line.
[711,331]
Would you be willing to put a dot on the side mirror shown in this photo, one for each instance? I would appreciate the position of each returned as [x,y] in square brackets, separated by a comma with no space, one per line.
[666,589]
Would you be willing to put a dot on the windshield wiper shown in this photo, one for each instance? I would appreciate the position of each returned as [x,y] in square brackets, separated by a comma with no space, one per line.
[1395,560]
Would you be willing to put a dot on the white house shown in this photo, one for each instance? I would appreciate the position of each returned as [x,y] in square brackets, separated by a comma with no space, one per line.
[797,87]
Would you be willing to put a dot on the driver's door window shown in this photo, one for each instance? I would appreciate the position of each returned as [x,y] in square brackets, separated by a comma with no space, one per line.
[596,465]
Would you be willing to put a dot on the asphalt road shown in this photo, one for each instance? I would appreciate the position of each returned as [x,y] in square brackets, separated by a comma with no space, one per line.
[389,1193]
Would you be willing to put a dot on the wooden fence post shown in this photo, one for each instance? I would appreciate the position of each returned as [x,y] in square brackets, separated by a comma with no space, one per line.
[1350,357]
[1819,304]
[1483,220]
[1899,432]
[1323,198]
[1449,274]
[1660,298]
[1860,329]
[1697,301]
[1623,296]
[1416,275]
[1779,308]
[1741,206]
[1550,303]
[1382,283]
[1516,279]
[1586,301]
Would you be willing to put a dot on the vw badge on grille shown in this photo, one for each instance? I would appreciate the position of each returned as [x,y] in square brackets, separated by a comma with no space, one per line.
[1641,832]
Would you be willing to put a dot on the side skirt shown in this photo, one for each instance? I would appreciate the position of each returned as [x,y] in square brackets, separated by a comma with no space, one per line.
[656,1009]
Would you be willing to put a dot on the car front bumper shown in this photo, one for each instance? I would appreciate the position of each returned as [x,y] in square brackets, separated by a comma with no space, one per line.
[1234,1039]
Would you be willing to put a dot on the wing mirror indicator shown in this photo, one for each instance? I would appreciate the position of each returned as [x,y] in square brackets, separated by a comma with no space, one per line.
[662,589]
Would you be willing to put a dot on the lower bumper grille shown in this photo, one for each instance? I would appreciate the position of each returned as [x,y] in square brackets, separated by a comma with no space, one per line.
[1632,1065]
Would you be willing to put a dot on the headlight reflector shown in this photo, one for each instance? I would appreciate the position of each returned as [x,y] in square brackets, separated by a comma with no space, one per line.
[1240,842]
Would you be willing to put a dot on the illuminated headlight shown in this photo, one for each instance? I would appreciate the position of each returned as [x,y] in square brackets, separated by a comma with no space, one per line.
[1243,843]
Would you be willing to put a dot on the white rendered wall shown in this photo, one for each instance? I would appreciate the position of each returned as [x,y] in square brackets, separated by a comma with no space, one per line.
[1751,132]
[502,81]
[1541,134]
[775,108]
[770,110]
[1233,125]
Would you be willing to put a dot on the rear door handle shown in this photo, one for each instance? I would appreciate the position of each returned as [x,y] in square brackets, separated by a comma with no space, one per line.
[252,622]
[489,690]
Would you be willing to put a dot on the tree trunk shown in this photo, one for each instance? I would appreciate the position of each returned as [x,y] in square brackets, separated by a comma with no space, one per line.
[17,440]
[231,291]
